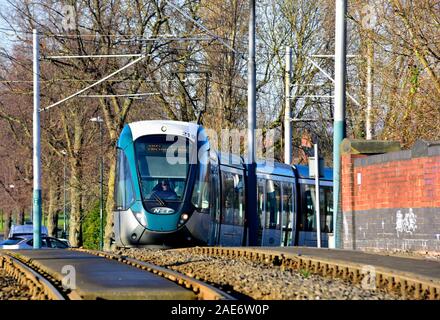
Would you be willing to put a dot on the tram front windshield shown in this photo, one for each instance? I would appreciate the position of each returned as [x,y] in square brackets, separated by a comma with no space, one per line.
[163,165]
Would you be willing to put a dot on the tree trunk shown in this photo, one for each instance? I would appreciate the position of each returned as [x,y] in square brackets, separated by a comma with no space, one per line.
[20,216]
[52,212]
[75,230]
[109,233]
[8,222]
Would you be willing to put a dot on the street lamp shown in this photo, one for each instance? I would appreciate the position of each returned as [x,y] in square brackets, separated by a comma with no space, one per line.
[101,173]
[64,153]
[12,187]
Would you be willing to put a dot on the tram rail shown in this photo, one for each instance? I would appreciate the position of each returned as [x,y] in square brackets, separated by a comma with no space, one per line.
[41,285]
[203,290]
[34,271]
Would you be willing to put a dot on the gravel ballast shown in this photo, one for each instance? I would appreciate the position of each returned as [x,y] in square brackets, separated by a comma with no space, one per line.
[256,280]
[10,289]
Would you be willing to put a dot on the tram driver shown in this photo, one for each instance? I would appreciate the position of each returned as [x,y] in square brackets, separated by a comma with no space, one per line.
[164,191]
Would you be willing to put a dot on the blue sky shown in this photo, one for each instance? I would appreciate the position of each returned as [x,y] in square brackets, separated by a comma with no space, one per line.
[5,37]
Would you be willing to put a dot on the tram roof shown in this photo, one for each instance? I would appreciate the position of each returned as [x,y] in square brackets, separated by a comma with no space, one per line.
[230,160]
[303,172]
[263,167]
[147,127]
[276,168]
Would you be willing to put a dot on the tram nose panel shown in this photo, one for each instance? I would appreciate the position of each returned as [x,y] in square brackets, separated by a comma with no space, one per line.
[130,230]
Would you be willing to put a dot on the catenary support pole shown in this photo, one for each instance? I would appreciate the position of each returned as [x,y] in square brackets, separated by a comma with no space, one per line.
[317,200]
[369,93]
[251,193]
[36,210]
[339,117]
[101,189]
[287,110]
[64,199]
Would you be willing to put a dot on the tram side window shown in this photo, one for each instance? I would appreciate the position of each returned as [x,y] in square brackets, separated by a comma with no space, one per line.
[260,203]
[233,198]
[328,207]
[308,215]
[124,193]
[200,196]
[273,205]
[287,205]
[215,192]
[308,222]
[239,217]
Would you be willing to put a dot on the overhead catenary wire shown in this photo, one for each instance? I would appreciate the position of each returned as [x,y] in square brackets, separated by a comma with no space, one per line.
[94,80]
[331,79]
[165,37]
[144,94]
[134,37]
[201,26]
[94,56]
[94,84]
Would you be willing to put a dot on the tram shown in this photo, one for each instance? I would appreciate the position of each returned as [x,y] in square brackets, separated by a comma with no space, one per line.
[173,190]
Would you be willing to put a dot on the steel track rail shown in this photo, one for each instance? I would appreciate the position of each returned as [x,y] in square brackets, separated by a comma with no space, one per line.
[409,285]
[203,290]
[40,287]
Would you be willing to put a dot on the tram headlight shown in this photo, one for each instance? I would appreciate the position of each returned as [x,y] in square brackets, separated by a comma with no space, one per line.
[183,218]
[140,217]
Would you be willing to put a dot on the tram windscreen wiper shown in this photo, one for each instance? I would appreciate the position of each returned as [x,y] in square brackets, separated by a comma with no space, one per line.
[159,199]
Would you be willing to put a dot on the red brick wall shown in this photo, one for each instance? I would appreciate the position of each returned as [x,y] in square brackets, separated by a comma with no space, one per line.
[396,205]
[348,182]
[413,183]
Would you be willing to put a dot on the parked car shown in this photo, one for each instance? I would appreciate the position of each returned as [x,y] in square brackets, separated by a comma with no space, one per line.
[27,242]
[64,241]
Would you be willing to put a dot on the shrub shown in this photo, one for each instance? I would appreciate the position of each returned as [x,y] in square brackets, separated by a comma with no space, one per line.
[91,228]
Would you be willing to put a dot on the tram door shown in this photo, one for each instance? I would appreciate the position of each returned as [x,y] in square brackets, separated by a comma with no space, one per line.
[272,227]
[214,237]
[232,217]
[287,214]
[239,192]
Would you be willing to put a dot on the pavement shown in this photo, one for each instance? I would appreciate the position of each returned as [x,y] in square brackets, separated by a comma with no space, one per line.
[425,268]
[95,277]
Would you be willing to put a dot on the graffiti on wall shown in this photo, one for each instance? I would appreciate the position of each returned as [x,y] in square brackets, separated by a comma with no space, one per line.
[406,223]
